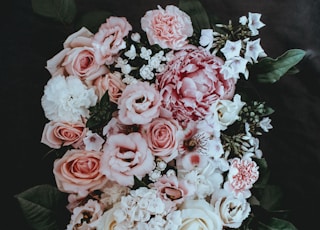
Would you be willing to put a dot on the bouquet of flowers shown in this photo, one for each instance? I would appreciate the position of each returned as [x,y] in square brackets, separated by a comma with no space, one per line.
[159,129]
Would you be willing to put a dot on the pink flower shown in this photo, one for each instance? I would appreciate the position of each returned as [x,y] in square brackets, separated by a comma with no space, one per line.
[115,86]
[139,103]
[163,137]
[78,171]
[58,134]
[109,40]
[172,191]
[126,156]
[168,28]
[243,173]
[191,83]
[77,58]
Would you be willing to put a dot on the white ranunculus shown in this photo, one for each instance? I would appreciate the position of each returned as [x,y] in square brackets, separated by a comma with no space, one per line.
[232,210]
[199,215]
[67,99]
[228,111]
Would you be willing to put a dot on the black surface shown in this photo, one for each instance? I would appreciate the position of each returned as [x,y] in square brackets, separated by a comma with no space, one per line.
[291,148]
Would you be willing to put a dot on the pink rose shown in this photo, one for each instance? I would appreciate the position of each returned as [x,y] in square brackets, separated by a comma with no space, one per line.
[78,171]
[77,58]
[115,86]
[168,28]
[109,40]
[58,134]
[126,156]
[191,83]
[139,103]
[163,137]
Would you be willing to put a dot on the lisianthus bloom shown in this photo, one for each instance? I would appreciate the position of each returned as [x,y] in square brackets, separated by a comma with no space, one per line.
[191,82]
[109,39]
[168,28]
[126,156]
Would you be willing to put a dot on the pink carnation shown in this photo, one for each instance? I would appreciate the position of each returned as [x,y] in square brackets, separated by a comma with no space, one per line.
[168,28]
[191,83]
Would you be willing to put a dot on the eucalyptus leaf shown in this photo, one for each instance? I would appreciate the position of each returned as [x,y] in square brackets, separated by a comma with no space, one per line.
[197,12]
[40,205]
[60,10]
[276,224]
[270,70]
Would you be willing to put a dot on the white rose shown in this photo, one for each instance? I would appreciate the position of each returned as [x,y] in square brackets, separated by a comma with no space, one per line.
[108,221]
[228,111]
[232,210]
[199,214]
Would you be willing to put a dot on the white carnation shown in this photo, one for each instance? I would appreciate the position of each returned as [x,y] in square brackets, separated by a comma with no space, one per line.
[67,99]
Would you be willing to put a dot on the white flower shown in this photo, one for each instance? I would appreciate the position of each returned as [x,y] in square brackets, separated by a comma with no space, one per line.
[228,111]
[199,214]
[67,99]
[254,50]
[93,141]
[231,49]
[145,53]
[243,20]
[234,66]
[131,53]
[265,124]
[123,65]
[136,37]
[254,23]
[206,38]
[232,210]
[146,72]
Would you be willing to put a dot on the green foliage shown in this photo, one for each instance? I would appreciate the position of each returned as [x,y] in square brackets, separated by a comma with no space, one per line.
[40,205]
[197,13]
[276,224]
[101,113]
[60,10]
[269,70]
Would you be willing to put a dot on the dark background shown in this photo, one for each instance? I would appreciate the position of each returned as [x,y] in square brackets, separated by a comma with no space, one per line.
[291,148]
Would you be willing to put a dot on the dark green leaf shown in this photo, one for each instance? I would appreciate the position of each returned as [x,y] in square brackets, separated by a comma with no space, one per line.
[270,70]
[61,10]
[139,183]
[271,198]
[40,205]
[93,19]
[276,224]
[197,12]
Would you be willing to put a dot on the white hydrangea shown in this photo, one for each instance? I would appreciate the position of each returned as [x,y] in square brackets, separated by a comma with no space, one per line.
[67,99]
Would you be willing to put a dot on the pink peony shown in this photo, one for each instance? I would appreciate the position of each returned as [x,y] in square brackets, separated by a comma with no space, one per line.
[163,137]
[169,27]
[139,103]
[58,134]
[191,83]
[126,156]
[78,171]
[109,40]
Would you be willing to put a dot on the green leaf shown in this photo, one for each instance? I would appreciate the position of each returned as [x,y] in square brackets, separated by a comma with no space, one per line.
[40,205]
[270,70]
[276,224]
[271,198]
[93,19]
[60,10]
[197,12]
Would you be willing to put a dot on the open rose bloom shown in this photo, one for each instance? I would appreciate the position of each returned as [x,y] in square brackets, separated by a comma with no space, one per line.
[155,133]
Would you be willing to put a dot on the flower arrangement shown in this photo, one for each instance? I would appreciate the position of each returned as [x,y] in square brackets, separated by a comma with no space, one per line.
[160,129]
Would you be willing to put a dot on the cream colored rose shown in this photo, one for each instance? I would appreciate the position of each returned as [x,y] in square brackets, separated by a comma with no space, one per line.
[199,215]
[107,221]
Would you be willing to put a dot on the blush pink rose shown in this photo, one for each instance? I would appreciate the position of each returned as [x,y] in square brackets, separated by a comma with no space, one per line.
[115,86]
[58,134]
[78,171]
[77,58]
[109,40]
[126,156]
[169,27]
[163,137]
[191,83]
[139,103]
